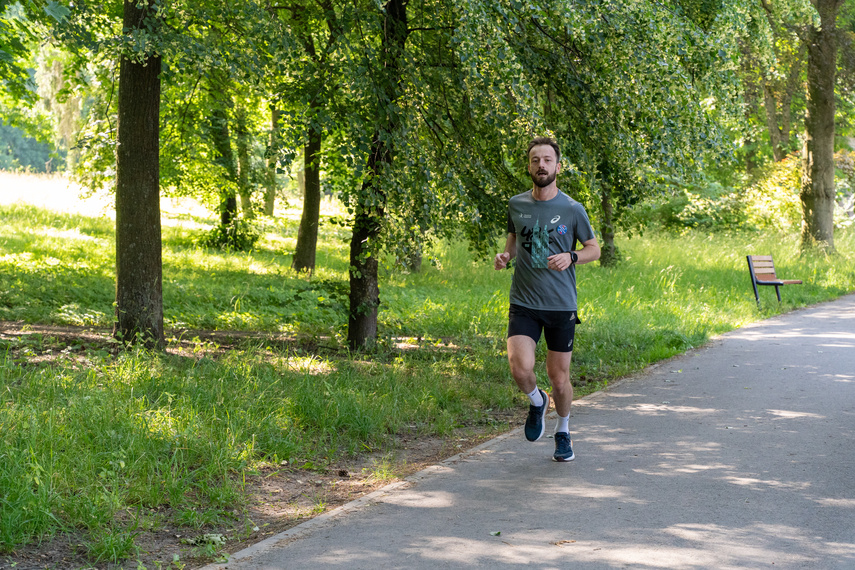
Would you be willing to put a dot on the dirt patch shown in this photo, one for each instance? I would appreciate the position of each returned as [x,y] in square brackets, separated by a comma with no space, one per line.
[278,496]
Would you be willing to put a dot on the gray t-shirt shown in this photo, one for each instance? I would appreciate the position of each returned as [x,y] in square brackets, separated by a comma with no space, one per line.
[544,228]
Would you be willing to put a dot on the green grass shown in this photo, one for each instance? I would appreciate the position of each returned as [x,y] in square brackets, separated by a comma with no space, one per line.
[96,440]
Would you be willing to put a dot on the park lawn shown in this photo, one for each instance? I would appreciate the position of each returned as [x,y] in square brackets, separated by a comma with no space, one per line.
[110,444]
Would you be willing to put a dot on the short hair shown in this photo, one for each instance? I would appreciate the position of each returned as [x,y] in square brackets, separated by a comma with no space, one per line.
[537,141]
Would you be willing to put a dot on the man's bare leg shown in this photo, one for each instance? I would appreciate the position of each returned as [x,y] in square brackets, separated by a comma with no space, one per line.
[521,350]
[558,370]
[521,356]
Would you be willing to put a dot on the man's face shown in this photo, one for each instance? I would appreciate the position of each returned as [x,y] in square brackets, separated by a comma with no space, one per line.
[543,165]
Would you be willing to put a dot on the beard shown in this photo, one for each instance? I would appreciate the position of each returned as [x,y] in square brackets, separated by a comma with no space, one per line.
[542,180]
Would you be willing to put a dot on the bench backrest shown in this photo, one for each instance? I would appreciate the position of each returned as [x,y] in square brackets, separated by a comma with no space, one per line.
[762,267]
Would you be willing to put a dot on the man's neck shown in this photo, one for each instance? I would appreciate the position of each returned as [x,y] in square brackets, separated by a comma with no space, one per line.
[545,193]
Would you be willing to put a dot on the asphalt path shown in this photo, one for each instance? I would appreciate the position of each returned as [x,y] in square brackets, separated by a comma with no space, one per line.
[739,454]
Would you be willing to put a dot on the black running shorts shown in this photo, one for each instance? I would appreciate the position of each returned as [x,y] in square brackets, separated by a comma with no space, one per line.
[558,327]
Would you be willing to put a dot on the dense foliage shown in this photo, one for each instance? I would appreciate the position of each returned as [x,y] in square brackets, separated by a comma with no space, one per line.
[415,114]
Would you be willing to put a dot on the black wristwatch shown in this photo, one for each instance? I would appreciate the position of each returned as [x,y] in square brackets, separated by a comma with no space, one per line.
[574,257]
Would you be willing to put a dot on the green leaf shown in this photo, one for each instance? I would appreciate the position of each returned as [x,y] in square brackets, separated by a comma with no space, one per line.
[57,11]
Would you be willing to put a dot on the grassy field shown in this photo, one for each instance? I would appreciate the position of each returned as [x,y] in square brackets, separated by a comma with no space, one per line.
[109,445]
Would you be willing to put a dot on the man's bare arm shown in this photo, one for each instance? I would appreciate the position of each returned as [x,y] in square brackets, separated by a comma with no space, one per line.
[502,259]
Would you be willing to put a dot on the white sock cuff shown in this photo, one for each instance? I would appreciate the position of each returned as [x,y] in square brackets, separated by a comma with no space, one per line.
[535,397]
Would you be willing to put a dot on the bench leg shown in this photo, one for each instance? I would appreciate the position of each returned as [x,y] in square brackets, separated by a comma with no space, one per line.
[756,293]
[778,292]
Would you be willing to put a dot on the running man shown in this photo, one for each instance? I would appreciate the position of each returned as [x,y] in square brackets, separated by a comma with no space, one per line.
[544,227]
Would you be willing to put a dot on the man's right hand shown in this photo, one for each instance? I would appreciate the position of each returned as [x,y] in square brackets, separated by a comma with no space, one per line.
[502,260]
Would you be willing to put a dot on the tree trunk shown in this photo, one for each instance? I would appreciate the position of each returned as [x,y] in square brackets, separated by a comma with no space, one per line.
[793,83]
[411,259]
[307,236]
[271,155]
[364,283]
[139,293]
[609,253]
[777,100]
[751,95]
[370,207]
[775,132]
[243,163]
[818,192]
[221,137]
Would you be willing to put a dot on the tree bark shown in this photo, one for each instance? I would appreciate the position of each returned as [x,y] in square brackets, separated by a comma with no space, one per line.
[818,192]
[367,225]
[776,134]
[609,253]
[751,95]
[370,207]
[243,163]
[139,277]
[412,254]
[271,154]
[221,138]
[307,235]
[777,102]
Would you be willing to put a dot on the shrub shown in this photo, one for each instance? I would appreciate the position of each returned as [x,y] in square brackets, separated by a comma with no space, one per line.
[770,203]
[773,202]
[712,207]
[708,206]
[239,235]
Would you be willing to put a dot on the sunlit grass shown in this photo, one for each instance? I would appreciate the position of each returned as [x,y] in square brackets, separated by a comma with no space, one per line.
[145,430]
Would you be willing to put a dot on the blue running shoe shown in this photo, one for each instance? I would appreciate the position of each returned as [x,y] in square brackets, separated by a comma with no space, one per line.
[534,423]
[563,447]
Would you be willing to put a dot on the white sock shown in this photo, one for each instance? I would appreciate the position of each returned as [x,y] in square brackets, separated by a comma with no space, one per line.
[536,398]
[563,424]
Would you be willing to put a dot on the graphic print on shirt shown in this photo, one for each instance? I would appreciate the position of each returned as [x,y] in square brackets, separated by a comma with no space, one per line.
[539,246]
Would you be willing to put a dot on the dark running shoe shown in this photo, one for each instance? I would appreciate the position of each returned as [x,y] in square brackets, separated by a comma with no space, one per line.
[563,447]
[534,421]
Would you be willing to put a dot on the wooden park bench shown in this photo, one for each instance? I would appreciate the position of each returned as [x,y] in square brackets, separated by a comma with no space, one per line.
[762,270]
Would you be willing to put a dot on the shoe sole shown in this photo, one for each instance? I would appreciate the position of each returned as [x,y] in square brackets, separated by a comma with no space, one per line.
[542,417]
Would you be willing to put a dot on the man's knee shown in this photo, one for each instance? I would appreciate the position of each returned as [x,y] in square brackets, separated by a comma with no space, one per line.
[521,372]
